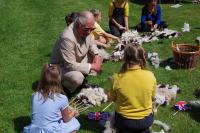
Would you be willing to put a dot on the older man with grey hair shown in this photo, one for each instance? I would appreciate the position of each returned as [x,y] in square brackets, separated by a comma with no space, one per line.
[72,49]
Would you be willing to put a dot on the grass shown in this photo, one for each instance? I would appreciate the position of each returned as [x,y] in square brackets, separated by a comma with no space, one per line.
[28,31]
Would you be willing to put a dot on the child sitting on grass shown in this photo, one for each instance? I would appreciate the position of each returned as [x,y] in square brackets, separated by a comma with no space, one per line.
[70,18]
[133,89]
[50,107]
[101,37]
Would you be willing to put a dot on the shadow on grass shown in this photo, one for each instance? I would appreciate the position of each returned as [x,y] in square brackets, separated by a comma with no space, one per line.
[195,113]
[89,125]
[168,62]
[20,122]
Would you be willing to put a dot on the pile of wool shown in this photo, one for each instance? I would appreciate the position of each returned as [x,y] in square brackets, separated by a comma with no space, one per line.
[165,127]
[154,59]
[132,36]
[166,33]
[168,92]
[118,52]
[135,37]
[165,94]
[92,96]
[109,124]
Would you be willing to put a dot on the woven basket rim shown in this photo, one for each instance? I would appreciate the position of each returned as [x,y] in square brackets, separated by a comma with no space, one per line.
[185,45]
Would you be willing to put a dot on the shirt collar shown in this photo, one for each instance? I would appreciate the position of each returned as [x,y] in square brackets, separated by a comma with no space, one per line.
[135,67]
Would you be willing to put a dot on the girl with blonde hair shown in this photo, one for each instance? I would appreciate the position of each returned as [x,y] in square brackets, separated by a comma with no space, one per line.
[50,107]
[132,91]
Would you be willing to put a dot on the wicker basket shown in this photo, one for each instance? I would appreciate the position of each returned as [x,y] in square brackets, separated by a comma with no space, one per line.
[185,55]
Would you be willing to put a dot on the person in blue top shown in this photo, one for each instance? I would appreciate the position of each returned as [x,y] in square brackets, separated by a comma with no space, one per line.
[51,112]
[151,17]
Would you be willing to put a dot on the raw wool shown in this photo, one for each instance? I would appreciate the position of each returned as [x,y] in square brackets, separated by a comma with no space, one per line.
[164,126]
[161,131]
[132,36]
[195,103]
[166,33]
[168,67]
[186,27]
[88,97]
[93,95]
[109,124]
[118,53]
[164,94]
[104,54]
[154,59]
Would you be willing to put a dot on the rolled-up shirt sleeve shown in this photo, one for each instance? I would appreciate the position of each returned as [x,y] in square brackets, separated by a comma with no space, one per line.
[68,54]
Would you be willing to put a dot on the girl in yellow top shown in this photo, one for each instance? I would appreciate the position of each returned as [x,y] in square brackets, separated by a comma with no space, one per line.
[118,17]
[132,91]
[101,37]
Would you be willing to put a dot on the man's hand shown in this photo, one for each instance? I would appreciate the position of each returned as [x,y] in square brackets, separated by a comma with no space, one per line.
[96,64]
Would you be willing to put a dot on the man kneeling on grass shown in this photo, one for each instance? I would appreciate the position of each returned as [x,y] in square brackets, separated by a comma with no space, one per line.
[76,53]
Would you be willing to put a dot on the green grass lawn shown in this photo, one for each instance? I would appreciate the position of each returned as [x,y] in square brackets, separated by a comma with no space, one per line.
[28,31]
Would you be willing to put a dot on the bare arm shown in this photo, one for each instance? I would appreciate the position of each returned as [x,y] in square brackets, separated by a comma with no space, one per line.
[107,35]
[101,44]
[67,114]
[126,22]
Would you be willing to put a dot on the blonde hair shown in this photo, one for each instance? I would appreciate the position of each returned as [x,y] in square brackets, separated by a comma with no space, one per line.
[95,12]
[133,55]
[50,81]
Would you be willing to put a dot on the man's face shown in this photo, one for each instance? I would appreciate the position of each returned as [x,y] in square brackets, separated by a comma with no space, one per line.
[86,29]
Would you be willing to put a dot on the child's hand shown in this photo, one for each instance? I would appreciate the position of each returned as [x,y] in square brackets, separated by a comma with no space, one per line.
[118,40]
[121,27]
[155,26]
[73,111]
[107,46]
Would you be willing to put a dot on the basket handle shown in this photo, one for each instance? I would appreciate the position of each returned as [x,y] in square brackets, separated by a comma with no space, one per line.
[174,46]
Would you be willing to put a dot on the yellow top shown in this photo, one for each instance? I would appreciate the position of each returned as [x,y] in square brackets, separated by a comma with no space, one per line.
[119,4]
[133,92]
[97,31]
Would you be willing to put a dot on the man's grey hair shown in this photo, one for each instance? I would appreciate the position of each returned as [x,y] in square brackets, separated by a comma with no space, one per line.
[84,16]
